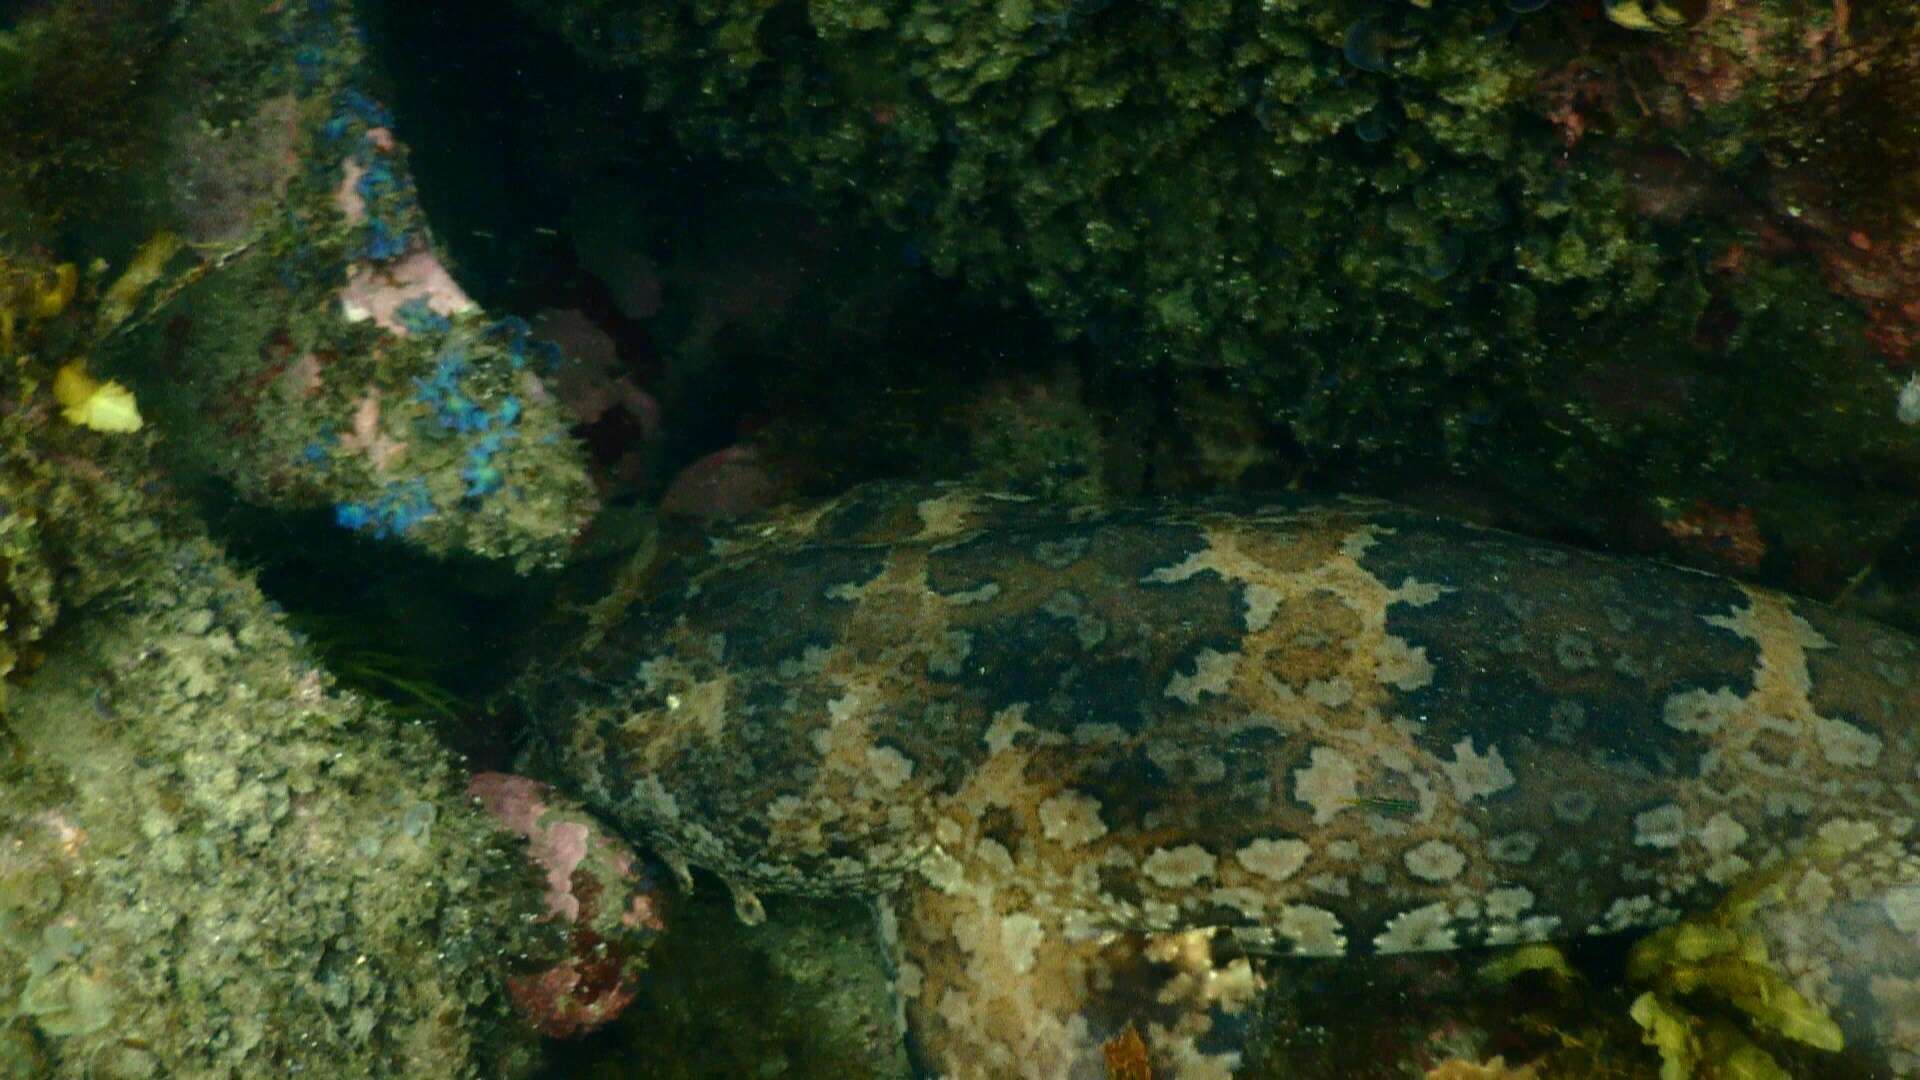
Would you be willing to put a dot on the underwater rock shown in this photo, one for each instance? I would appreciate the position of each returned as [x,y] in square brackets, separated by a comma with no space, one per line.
[598,892]
[311,345]
[1059,746]
[804,994]
[211,862]
[1261,206]
[725,485]
[1838,922]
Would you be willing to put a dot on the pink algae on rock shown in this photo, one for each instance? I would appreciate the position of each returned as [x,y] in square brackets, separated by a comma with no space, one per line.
[376,291]
[597,889]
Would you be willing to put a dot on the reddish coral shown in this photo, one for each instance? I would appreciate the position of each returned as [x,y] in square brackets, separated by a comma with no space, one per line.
[570,999]
[1805,90]
[1884,278]
[1571,96]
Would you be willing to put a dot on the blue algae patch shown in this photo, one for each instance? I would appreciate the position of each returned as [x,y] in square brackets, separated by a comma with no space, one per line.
[516,337]
[400,507]
[551,356]
[310,62]
[383,243]
[481,475]
[378,182]
[366,108]
[511,326]
[350,106]
[388,197]
[515,331]
[444,394]
[458,412]
[418,316]
[319,450]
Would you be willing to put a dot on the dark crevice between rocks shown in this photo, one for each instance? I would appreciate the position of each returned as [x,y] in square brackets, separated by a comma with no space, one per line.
[743,313]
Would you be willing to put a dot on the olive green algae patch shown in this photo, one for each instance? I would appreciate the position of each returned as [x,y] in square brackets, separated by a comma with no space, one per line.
[211,864]
[215,865]
[804,995]
[1540,249]
[297,346]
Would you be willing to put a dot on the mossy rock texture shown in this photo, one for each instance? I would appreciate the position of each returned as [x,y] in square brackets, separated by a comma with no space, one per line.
[212,864]
[1578,263]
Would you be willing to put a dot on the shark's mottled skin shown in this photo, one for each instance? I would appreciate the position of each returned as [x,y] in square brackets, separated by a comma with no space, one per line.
[1051,740]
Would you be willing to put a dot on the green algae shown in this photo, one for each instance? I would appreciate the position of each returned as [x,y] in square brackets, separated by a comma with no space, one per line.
[806,994]
[212,860]
[77,101]
[1789,392]
[1406,268]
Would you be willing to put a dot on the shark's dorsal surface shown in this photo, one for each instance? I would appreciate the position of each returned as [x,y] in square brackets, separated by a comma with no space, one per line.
[1051,740]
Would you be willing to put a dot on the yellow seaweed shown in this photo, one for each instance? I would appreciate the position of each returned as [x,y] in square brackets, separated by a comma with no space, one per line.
[30,294]
[90,403]
[124,295]
[1716,954]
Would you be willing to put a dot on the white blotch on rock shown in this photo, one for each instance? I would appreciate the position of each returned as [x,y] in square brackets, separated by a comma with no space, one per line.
[1722,834]
[1314,931]
[1907,406]
[1701,712]
[888,767]
[1020,936]
[1660,827]
[1843,744]
[1212,674]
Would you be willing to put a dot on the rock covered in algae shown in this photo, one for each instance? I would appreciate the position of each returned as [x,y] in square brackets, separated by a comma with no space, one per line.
[211,863]
[599,894]
[804,994]
[1823,949]
[305,340]
[1515,239]
[1058,745]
